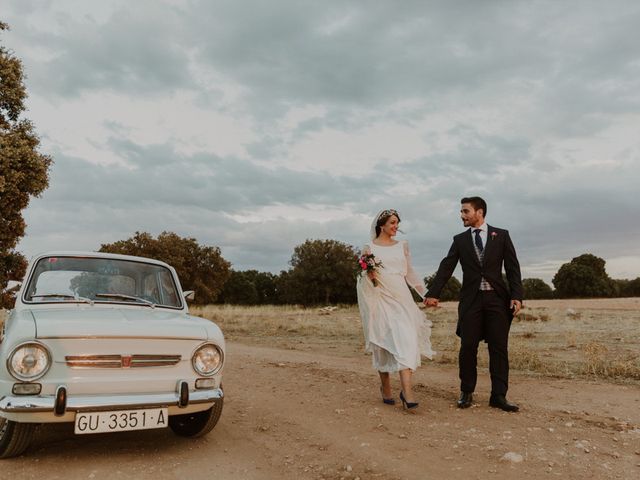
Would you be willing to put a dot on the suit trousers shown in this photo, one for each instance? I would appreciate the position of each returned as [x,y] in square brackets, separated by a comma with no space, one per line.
[488,319]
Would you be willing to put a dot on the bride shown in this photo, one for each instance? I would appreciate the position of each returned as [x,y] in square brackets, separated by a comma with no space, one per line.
[396,332]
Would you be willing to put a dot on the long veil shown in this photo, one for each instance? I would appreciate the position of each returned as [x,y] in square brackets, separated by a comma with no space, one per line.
[372,230]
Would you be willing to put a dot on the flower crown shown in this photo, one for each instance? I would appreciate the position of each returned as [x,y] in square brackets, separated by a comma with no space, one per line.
[388,213]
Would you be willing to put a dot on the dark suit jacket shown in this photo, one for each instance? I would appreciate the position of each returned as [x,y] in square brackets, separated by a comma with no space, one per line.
[498,251]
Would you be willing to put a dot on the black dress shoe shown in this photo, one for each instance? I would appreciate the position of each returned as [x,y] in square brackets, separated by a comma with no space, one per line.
[466,399]
[500,401]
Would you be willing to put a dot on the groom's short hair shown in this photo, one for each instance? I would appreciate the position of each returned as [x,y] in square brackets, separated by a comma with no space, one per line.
[477,202]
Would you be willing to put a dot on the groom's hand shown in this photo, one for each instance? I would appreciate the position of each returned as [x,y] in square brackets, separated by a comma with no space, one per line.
[430,302]
[516,305]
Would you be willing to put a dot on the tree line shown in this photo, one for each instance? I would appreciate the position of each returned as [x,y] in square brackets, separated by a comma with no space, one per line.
[323,272]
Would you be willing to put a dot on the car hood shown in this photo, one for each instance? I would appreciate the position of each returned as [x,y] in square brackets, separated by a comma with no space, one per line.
[95,321]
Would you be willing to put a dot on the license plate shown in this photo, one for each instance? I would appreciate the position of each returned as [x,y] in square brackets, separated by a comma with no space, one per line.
[121,420]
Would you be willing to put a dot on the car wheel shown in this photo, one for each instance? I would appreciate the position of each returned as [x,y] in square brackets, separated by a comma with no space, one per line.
[196,424]
[14,437]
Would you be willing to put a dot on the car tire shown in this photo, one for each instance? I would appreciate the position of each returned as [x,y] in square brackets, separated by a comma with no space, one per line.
[196,424]
[14,437]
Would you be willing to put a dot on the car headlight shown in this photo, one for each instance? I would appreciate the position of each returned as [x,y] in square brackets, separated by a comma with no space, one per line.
[207,360]
[29,361]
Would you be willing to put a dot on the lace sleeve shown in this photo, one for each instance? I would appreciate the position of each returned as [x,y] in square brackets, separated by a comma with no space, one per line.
[412,278]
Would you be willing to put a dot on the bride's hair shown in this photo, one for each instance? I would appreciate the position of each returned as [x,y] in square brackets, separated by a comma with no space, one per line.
[383,217]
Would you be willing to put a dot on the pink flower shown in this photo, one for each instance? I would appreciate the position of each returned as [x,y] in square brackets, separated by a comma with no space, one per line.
[494,234]
[368,263]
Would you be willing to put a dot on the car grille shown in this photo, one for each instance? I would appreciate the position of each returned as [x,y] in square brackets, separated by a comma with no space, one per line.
[121,361]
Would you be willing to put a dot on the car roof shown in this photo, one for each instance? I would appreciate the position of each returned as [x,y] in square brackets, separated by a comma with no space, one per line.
[113,256]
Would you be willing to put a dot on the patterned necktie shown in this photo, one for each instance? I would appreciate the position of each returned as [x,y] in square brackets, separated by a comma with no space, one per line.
[478,240]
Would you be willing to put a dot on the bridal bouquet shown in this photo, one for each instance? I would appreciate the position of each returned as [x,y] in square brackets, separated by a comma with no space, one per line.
[368,263]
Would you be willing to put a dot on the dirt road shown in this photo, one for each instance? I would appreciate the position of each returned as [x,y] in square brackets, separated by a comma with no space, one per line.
[314,412]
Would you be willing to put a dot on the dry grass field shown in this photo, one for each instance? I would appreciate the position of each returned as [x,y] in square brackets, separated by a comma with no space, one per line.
[595,338]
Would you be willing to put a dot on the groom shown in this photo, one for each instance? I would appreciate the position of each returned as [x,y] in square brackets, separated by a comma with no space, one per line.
[486,305]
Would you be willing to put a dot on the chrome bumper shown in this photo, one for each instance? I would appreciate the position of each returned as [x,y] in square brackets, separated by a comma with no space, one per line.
[88,403]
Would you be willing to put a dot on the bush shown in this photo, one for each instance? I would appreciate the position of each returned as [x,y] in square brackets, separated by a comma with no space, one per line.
[536,288]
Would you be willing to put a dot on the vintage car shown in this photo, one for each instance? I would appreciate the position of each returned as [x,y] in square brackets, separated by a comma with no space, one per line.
[106,341]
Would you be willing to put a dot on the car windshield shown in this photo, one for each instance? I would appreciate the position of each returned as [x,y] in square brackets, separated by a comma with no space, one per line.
[101,280]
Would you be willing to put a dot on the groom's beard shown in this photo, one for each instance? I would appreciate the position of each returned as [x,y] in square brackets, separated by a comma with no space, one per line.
[470,222]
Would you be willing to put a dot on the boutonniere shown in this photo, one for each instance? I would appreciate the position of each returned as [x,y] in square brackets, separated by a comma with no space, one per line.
[494,235]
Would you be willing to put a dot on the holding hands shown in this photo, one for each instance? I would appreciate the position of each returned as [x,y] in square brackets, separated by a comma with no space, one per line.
[516,305]
[430,302]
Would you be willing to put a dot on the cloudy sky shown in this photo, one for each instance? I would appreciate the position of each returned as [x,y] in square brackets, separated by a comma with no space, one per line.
[254,125]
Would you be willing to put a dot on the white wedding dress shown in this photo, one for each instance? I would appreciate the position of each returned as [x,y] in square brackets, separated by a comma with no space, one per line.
[396,331]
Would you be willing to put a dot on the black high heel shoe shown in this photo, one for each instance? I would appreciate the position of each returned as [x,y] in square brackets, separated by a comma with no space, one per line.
[405,404]
[388,401]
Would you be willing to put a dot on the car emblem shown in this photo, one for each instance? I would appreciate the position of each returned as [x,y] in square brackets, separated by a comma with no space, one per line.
[125,361]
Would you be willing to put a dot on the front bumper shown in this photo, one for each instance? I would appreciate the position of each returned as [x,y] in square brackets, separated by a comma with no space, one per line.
[41,408]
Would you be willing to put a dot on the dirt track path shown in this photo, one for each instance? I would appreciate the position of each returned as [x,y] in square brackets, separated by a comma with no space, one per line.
[310,414]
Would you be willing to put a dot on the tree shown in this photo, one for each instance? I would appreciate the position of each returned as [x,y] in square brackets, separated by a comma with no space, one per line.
[285,289]
[536,288]
[323,272]
[620,288]
[628,288]
[249,287]
[24,172]
[13,266]
[200,268]
[265,284]
[633,288]
[583,276]
[451,290]
[238,290]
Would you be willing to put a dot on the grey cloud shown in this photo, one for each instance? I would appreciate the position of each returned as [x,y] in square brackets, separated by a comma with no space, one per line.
[134,51]
[477,157]
[157,173]
[438,53]
[577,62]
[387,51]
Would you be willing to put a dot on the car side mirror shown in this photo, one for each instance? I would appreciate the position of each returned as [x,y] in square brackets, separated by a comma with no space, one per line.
[189,294]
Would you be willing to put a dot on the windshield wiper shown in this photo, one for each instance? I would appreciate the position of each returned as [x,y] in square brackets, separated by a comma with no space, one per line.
[63,295]
[126,297]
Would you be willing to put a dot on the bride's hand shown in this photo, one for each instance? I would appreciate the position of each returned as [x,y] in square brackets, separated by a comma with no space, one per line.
[431,302]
